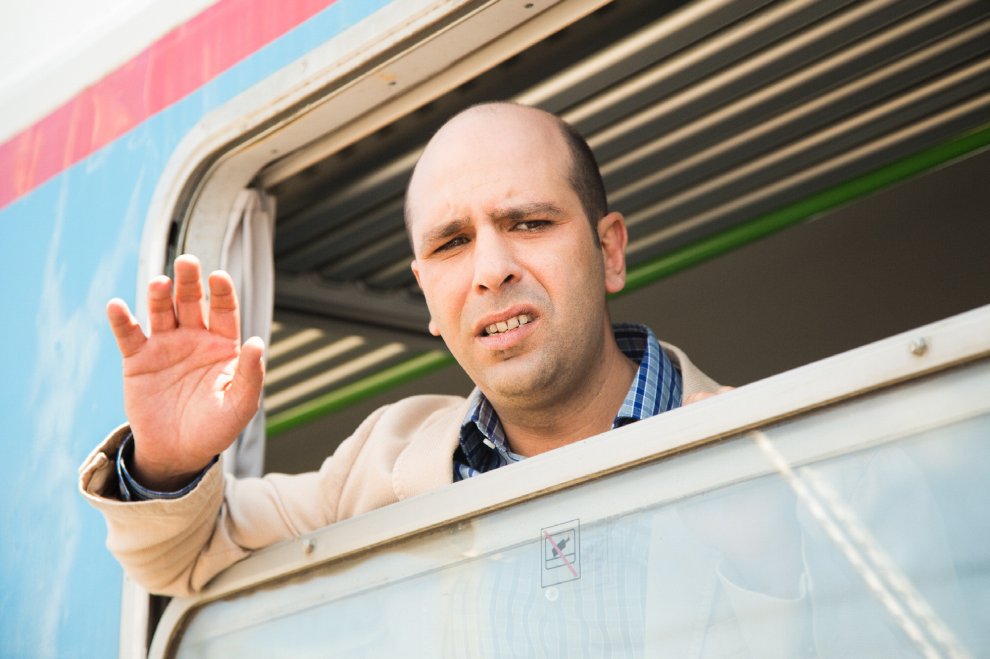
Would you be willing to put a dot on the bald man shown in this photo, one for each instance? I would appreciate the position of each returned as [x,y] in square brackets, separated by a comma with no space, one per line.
[515,251]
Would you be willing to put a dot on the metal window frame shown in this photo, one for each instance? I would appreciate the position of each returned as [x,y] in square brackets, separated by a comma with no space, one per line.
[936,347]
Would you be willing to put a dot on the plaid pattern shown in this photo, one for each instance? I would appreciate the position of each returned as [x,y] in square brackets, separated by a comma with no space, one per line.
[655,389]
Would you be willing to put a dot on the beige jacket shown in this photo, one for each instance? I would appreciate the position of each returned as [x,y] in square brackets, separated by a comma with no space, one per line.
[176,546]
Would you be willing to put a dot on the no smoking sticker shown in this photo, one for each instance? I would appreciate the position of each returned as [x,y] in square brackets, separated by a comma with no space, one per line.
[561,553]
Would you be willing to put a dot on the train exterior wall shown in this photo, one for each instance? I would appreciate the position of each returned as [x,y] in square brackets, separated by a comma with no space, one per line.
[71,238]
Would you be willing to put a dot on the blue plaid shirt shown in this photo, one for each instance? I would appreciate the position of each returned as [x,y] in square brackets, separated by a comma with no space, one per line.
[655,389]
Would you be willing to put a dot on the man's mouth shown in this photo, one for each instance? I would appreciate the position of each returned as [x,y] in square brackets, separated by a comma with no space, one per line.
[508,324]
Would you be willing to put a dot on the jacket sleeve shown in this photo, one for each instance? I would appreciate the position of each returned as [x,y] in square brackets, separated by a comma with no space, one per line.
[174,547]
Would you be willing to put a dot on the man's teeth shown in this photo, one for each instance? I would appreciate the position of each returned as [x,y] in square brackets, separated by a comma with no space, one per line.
[506,325]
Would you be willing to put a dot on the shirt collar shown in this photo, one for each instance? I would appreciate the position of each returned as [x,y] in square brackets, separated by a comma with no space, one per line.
[656,388]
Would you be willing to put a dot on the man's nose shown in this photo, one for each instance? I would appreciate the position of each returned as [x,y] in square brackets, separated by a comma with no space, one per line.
[494,261]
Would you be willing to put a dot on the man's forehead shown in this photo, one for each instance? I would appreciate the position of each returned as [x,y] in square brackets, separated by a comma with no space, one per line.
[493,143]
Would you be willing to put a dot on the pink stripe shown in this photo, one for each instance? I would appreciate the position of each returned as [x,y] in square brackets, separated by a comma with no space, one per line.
[169,69]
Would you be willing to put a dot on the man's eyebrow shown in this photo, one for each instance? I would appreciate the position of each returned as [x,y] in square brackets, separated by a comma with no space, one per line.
[441,233]
[522,211]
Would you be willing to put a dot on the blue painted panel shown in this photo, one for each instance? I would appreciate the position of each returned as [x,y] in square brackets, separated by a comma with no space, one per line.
[68,247]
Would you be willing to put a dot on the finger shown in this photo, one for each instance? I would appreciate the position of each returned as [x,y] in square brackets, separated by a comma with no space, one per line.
[188,292]
[224,319]
[161,313]
[125,327]
[245,389]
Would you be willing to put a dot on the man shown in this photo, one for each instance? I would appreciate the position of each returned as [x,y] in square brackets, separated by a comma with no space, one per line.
[515,252]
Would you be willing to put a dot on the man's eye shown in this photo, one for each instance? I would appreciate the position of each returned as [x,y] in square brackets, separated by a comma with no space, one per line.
[532,225]
[451,244]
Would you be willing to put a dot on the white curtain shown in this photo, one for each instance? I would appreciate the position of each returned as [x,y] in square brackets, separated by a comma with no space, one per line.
[249,258]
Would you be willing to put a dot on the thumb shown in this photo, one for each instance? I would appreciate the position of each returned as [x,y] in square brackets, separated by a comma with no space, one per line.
[245,388]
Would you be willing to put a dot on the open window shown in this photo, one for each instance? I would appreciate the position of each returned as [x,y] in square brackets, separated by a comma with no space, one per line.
[714,124]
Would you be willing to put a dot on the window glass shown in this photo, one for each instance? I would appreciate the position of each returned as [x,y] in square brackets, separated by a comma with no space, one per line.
[855,530]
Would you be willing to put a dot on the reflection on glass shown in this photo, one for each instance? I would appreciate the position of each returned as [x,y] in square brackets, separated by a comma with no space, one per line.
[856,531]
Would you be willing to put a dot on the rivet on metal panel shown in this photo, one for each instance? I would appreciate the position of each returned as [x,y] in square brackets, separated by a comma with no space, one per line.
[918,346]
[308,546]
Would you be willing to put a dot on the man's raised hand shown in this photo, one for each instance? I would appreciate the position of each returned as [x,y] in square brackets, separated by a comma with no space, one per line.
[190,387]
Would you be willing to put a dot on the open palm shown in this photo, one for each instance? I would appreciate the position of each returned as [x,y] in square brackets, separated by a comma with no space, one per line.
[189,387]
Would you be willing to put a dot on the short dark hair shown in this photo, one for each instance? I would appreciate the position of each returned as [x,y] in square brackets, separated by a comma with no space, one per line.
[584,176]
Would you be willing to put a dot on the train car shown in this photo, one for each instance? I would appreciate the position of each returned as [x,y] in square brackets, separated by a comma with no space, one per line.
[805,184]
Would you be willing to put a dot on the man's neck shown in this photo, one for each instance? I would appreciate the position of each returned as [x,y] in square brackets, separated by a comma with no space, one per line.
[589,411]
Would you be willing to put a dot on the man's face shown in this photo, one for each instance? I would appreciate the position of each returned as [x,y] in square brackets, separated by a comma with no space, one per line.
[507,259]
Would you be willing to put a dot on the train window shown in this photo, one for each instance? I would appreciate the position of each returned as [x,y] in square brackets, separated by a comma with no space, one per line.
[861,129]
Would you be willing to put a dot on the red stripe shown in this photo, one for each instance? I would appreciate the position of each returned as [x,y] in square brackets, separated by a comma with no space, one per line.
[172,67]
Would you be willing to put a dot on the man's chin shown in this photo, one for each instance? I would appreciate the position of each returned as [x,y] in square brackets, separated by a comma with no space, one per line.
[517,383]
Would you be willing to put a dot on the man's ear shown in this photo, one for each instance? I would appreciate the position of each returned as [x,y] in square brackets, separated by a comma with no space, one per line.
[613,238]
[432,326]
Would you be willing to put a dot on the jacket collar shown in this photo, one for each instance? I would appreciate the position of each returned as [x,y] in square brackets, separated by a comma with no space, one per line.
[427,462]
